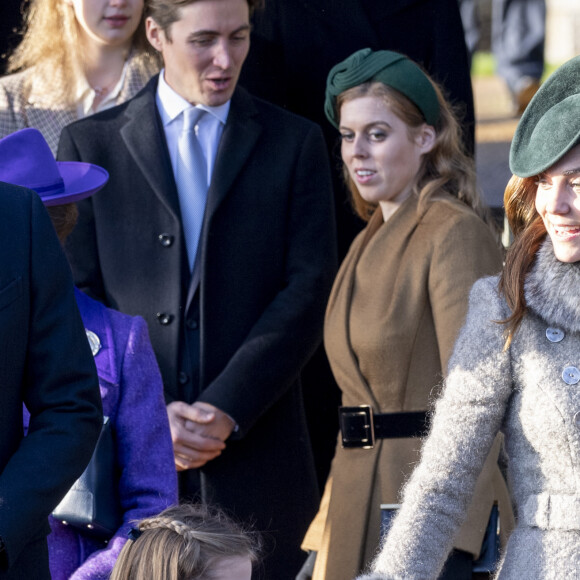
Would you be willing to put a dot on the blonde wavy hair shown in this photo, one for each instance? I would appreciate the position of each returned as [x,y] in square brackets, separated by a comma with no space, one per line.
[50,44]
[183,542]
[446,167]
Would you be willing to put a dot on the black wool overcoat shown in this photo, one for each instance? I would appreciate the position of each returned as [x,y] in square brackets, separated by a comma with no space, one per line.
[45,363]
[267,260]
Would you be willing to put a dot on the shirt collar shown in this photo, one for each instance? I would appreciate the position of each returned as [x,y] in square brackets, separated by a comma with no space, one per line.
[171,104]
[85,95]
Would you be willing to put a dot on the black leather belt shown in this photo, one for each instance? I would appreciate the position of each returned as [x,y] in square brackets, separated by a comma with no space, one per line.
[359,426]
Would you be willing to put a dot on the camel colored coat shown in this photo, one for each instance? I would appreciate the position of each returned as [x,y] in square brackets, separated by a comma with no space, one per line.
[394,313]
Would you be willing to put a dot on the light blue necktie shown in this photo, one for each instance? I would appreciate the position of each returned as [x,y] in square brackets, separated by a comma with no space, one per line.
[191,179]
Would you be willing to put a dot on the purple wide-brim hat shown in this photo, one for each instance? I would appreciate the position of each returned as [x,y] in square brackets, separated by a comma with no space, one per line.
[26,160]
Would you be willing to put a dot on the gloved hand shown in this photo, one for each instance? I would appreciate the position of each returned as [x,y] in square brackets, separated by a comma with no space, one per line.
[307,569]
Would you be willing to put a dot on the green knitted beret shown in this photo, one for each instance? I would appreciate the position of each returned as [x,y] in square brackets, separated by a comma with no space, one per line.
[390,68]
[550,125]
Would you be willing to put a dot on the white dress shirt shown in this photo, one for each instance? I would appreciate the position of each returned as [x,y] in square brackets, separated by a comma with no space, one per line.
[208,132]
[211,127]
[85,95]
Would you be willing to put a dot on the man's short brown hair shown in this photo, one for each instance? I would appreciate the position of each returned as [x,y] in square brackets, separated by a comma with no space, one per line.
[166,12]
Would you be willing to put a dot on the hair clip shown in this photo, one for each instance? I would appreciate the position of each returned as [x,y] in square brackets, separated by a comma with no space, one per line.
[134,533]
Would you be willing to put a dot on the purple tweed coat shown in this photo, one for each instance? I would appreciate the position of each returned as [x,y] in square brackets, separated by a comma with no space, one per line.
[132,394]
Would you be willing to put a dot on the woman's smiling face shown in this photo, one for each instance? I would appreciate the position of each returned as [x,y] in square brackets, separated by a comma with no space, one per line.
[558,203]
[382,154]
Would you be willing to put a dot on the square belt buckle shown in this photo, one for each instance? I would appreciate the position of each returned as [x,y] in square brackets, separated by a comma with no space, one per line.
[356,427]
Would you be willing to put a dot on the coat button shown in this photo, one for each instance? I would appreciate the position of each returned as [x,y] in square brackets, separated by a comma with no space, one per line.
[164,318]
[577,419]
[165,240]
[183,378]
[571,375]
[191,323]
[94,341]
[554,334]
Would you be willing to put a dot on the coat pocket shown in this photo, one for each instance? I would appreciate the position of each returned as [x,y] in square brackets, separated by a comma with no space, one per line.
[10,292]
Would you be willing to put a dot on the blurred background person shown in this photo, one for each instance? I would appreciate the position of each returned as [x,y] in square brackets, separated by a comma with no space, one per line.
[518,35]
[76,57]
[188,542]
[398,301]
[129,378]
[514,369]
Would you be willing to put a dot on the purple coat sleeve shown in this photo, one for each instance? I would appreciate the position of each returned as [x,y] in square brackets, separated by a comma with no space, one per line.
[132,393]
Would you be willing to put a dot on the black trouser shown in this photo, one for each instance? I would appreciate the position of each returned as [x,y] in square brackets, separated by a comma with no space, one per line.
[459,566]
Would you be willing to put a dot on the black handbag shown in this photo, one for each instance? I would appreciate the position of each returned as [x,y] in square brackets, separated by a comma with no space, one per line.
[92,504]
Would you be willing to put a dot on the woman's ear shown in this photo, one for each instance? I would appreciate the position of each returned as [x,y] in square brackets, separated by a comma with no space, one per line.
[425,138]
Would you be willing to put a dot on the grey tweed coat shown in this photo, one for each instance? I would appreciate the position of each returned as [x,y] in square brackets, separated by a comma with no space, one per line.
[25,102]
[531,393]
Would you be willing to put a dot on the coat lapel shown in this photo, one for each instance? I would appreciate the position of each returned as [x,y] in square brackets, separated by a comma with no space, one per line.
[145,140]
[337,324]
[238,140]
[240,135]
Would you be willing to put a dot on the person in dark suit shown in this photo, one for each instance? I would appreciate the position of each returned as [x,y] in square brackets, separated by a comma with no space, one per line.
[295,43]
[45,363]
[234,311]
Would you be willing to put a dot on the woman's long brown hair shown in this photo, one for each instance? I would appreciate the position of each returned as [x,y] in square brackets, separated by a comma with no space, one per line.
[445,168]
[529,233]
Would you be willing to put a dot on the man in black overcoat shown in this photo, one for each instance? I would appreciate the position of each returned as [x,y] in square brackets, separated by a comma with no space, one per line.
[46,363]
[233,324]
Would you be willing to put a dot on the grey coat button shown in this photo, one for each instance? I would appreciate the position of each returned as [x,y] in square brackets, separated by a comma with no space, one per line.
[554,334]
[166,240]
[577,419]
[191,323]
[164,318]
[571,375]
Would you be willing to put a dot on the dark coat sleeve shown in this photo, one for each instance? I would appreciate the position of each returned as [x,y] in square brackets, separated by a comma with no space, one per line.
[53,373]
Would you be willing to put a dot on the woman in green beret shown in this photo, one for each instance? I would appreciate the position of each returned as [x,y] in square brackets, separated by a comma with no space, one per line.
[515,369]
[398,302]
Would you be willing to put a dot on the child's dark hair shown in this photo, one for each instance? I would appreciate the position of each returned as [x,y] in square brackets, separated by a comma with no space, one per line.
[183,542]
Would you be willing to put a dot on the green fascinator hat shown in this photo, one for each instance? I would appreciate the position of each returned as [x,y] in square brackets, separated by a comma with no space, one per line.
[550,125]
[390,68]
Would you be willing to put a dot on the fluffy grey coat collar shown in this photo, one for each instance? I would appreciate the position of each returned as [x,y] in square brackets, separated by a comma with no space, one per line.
[552,289]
